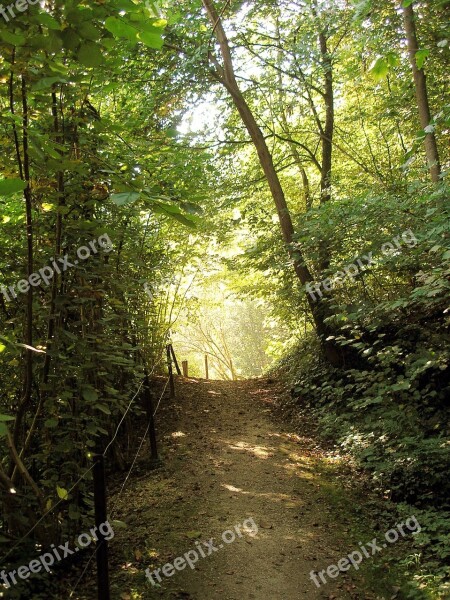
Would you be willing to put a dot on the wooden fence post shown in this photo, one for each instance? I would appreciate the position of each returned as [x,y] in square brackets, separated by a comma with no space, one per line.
[184,364]
[206,366]
[100,518]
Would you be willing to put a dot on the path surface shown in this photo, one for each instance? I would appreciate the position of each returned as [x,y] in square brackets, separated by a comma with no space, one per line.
[227,459]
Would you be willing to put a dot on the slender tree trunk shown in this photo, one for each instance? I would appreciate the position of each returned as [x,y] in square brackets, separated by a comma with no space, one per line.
[327,141]
[420,84]
[326,131]
[24,167]
[226,76]
[51,325]
[327,137]
[29,219]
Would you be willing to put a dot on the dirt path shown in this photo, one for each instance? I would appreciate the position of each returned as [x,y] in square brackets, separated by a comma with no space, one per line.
[227,460]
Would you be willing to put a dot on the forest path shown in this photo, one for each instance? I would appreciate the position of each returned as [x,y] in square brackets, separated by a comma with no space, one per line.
[228,459]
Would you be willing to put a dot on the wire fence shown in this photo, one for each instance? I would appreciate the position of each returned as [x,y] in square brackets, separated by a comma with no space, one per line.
[89,469]
[117,496]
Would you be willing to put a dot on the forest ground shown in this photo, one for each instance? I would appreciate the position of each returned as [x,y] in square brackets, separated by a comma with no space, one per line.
[228,456]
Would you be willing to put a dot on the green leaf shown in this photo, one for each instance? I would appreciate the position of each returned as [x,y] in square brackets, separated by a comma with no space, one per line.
[46,83]
[402,385]
[3,429]
[407,3]
[50,150]
[380,69]
[90,55]
[57,67]
[120,28]
[160,24]
[48,21]
[103,408]
[71,39]
[162,208]
[52,41]
[6,418]
[193,534]
[421,57]
[116,524]
[124,198]
[62,493]
[191,208]
[89,394]
[126,5]
[76,15]
[13,38]
[174,212]
[190,221]
[392,59]
[74,513]
[152,40]
[11,186]
[89,32]
[109,44]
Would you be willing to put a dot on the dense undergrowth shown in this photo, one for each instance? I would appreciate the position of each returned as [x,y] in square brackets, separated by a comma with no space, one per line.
[379,416]
[390,406]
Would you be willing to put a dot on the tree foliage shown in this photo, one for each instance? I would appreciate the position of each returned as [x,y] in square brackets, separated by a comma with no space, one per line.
[287,139]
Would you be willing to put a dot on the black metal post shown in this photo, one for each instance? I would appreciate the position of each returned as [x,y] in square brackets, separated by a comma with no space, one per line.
[100,518]
[177,366]
[151,420]
[169,367]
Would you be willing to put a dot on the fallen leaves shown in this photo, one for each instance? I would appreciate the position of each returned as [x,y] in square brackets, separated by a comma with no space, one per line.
[193,535]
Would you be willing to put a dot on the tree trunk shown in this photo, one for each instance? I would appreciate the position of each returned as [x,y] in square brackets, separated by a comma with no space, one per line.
[327,131]
[327,137]
[420,84]
[226,76]
[24,168]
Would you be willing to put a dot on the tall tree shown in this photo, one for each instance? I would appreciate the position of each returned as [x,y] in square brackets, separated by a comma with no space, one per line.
[327,131]
[421,89]
[226,76]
